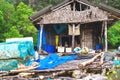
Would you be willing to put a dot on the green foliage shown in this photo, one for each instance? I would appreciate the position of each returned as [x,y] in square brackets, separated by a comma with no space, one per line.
[6,11]
[22,23]
[15,22]
[114,34]
[114,3]
[1,18]
[16,2]
[35,4]
[43,3]
[13,33]
[95,1]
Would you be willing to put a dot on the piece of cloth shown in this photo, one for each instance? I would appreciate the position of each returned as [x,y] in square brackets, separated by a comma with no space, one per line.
[70,30]
[59,28]
[56,41]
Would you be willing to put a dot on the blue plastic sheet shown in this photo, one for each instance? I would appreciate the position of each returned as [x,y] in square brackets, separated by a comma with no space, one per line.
[54,60]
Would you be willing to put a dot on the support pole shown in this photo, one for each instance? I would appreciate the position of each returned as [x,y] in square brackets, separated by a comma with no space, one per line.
[73,29]
[73,35]
[41,30]
[106,43]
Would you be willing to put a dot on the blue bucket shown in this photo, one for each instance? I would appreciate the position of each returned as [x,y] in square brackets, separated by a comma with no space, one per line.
[49,48]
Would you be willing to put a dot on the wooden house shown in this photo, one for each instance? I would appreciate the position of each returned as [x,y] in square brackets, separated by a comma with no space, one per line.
[74,23]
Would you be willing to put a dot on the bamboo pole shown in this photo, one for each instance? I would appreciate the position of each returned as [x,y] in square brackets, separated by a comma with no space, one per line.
[106,43]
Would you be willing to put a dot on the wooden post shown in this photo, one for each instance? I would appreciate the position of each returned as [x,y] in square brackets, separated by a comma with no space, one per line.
[80,7]
[73,35]
[106,43]
[41,30]
[73,29]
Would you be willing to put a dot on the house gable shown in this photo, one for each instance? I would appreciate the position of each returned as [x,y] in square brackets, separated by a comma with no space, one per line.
[83,13]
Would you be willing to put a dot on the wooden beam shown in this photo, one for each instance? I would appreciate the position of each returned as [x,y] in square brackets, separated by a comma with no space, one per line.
[39,18]
[115,17]
[106,43]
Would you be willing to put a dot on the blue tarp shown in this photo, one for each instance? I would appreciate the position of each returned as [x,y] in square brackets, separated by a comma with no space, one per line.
[54,60]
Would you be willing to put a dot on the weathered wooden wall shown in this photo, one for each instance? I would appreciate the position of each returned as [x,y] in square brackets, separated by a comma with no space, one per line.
[66,15]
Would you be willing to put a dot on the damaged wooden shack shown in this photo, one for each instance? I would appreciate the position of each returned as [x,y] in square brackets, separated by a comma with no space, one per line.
[70,24]
[73,23]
